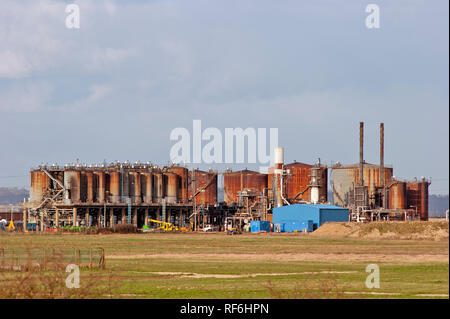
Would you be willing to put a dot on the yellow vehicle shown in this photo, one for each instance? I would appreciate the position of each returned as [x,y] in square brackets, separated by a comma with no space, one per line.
[164,226]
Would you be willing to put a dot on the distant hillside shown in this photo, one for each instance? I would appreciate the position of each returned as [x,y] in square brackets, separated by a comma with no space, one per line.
[437,205]
[12,195]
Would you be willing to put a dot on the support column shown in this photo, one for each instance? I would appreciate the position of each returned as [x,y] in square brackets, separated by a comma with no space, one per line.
[169,214]
[57,218]
[158,214]
[146,217]
[134,217]
[86,218]
[111,217]
[99,218]
[25,220]
[75,216]
[124,216]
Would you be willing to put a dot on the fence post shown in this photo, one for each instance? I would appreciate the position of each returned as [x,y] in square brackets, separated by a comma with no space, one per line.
[28,259]
[102,258]
[45,259]
[90,258]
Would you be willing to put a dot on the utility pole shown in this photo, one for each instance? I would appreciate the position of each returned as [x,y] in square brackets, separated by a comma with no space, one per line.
[193,198]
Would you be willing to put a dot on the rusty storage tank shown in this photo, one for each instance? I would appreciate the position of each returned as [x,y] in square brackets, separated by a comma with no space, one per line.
[90,192]
[397,195]
[298,181]
[72,182]
[158,189]
[234,182]
[39,184]
[345,177]
[183,181]
[100,182]
[134,180]
[83,186]
[147,186]
[171,187]
[114,186]
[417,197]
[205,187]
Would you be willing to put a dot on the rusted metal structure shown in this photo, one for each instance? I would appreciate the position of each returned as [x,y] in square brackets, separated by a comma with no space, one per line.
[183,180]
[203,187]
[235,182]
[297,184]
[344,178]
[397,195]
[105,195]
[417,197]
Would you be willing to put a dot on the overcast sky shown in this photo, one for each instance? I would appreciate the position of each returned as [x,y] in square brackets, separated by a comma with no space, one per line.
[115,88]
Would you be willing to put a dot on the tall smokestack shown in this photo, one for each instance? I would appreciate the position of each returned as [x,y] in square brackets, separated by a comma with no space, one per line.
[382,183]
[278,160]
[361,157]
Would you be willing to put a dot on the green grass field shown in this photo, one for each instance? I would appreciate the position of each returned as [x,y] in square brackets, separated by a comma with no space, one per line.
[212,265]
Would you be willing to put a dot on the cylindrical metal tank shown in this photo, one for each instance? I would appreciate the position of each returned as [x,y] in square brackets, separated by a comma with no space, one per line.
[183,181]
[397,196]
[147,186]
[171,187]
[90,187]
[424,199]
[114,186]
[344,178]
[39,184]
[158,189]
[72,182]
[417,197]
[135,187]
[234,182]
[205,187]
[297,181]
[101,186]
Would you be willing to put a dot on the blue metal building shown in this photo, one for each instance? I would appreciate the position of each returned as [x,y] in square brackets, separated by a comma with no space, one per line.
[318,213]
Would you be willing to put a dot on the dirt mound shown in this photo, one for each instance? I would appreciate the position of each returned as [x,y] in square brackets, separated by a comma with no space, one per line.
[386,230]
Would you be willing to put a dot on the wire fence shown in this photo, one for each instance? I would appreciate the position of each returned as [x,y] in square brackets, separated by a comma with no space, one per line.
[50,258]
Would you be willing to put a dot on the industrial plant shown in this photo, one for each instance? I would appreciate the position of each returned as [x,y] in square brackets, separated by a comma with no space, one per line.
[290,197]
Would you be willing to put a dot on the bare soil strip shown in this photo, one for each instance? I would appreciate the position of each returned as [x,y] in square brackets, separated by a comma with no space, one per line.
[226,276]
[413,258]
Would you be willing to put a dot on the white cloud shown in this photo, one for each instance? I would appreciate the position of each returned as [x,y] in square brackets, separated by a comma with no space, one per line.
[25,97]
[102,59]
[97,92]
[13,66]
